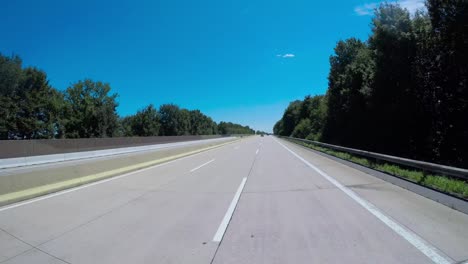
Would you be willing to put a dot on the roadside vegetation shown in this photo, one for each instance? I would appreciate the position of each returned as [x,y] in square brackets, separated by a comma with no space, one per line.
[403,91]
[30,108]
[441,183]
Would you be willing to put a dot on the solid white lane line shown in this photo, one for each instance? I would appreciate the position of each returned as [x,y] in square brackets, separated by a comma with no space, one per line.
[47,196]
[44,197]
[425,247]
[256,152]
[206,163]
[227,217]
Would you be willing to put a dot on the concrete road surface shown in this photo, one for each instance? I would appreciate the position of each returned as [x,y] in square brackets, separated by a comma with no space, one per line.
[259,200]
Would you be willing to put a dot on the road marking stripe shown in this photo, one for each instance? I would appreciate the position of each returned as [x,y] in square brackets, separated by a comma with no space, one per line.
[256,152]
[206,163]
[425,247]
[227,217]
[176,158]
[82,187]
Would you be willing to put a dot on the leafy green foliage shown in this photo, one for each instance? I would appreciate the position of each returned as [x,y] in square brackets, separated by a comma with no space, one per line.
[350,82]
[291,118]
[10,78]
[403,92]
[38,106]
[303,118]
[393,99]
[29,106]
[442,183]
[228,128]
[442,67]
[303,129]
[201,124]
[174,121]
[145,122]
[91,110]
[31,109]
[125,126]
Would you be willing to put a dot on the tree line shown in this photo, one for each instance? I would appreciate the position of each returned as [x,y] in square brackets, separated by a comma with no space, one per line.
[30,108]
[402,92]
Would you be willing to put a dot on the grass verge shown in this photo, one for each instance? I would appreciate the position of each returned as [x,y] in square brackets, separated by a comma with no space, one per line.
[456,187]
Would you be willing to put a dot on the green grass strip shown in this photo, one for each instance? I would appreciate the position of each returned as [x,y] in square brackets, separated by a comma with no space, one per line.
[442,183]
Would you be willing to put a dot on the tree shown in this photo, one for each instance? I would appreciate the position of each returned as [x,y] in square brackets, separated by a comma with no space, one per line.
[349,82]
[228,128]
[306,117]
[316,113]
[278,127]
[169,119]
[303,129]
[10,77]
[393,101]
[125,126]
[91,110]
[145,122]
[443,76]
[291,118]
[183,122]
[201,124]
[214,128]
[39,107]
[30,107]
[403,92]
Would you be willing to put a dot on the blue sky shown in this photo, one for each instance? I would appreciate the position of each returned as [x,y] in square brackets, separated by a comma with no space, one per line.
[241,61]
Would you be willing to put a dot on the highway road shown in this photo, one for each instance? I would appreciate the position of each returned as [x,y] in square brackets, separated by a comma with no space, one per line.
[258,200]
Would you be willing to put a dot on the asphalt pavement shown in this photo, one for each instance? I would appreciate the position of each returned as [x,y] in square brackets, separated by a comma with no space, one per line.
[258,200]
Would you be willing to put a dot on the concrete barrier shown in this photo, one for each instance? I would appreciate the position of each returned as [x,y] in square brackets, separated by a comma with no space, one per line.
[36,147]
[25,183]
[42,159]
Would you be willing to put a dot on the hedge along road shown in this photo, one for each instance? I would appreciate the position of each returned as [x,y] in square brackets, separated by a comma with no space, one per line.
[259,200]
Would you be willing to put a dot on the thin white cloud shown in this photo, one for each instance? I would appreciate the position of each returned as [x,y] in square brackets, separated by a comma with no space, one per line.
[365,9]
[412,5]
[286,55]
[368,9]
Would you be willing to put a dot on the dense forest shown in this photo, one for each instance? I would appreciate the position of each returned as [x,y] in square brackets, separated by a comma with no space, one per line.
[404,91]
[30,108]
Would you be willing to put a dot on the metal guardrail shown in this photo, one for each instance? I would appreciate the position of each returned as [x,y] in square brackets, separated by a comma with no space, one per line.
[425,166]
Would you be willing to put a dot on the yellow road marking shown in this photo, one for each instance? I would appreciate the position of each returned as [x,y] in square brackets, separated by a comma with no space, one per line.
[58,186]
